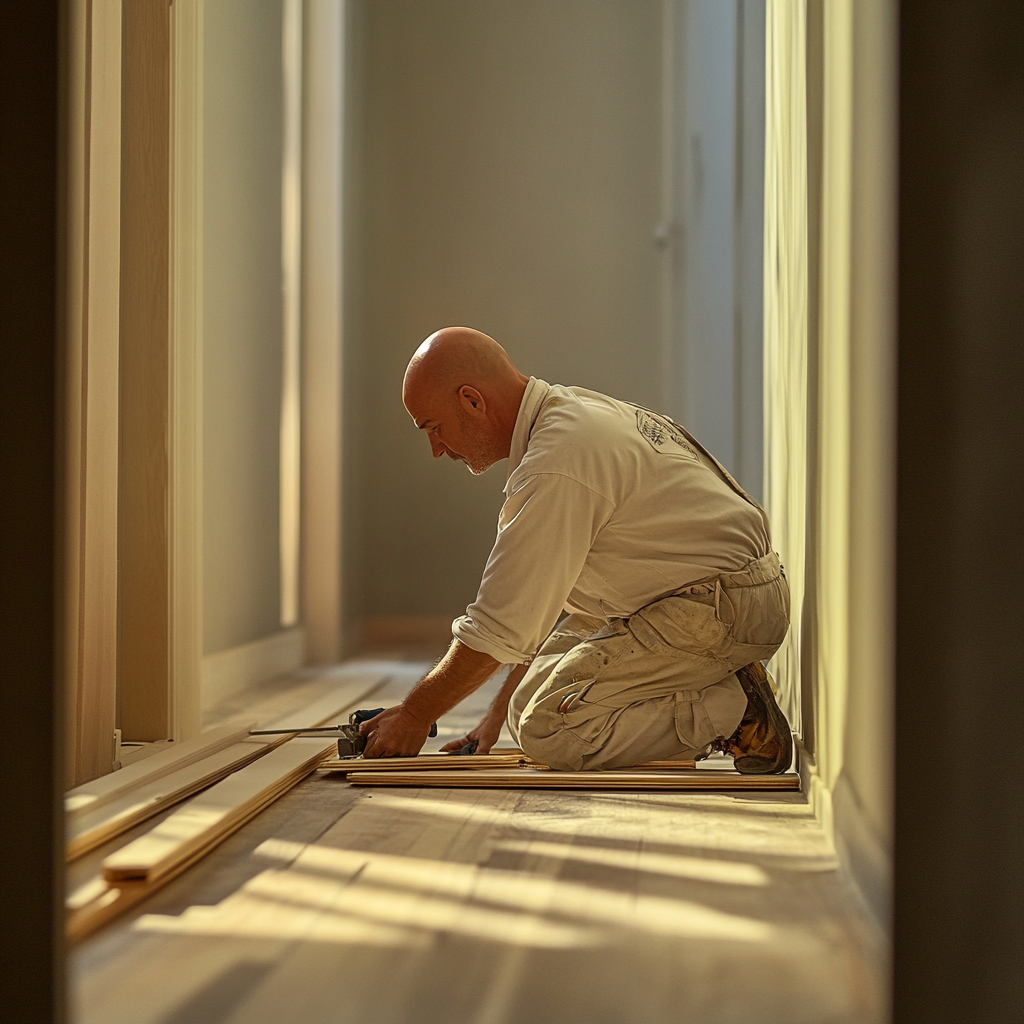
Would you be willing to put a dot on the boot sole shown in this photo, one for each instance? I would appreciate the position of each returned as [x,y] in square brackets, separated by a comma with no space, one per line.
[760,689]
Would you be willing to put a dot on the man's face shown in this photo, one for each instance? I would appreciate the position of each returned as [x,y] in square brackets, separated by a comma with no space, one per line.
[453,432]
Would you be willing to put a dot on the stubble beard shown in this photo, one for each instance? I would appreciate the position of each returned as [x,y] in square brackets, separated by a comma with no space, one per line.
[476,468]
[480,457]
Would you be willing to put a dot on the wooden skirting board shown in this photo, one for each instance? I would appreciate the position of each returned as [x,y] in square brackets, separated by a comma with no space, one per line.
[86,831]
[217,810]
[109,808]
[91,795]
[457,762]
[100,810]
[446,762]
[528,777]
[140,868]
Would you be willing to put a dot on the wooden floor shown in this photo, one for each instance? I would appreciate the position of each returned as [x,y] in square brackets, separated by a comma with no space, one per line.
[419,906]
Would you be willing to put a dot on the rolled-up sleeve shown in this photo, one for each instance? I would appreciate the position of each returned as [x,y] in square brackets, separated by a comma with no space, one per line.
[546,529]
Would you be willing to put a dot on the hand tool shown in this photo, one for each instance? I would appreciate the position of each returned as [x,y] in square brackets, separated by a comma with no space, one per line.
[351,743]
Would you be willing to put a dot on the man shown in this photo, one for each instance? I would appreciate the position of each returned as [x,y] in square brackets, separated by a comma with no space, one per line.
[618,517]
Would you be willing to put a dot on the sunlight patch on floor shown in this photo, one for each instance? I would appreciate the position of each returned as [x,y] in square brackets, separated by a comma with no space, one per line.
[410,893]
[702,869]
[716,822]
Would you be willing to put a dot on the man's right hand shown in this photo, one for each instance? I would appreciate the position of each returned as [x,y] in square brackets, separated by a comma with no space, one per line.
[485,735]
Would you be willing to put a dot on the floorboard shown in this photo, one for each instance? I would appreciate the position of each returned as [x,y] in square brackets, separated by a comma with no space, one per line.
[494,907]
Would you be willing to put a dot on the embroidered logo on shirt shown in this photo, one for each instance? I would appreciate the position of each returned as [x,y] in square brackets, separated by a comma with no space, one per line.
[663,436]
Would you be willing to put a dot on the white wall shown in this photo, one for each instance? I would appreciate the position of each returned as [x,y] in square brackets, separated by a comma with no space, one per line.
[714,128]
[242,327]
[505,163]
[830,313]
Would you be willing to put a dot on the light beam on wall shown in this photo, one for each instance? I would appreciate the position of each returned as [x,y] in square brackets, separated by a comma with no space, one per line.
[291,283]
[785,318]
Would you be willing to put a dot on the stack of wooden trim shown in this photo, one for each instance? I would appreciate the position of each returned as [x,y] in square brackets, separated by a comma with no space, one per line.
[538,777]
[205,820]
[512,769]
[92,826]
[246,774]
[447,762]
[98,811]
[456,762]
[92,795]
[150,861]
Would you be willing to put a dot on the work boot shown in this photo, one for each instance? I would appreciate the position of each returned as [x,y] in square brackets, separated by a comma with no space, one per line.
[762,743]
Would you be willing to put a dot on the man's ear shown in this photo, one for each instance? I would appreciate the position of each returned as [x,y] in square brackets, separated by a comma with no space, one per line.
[472,401]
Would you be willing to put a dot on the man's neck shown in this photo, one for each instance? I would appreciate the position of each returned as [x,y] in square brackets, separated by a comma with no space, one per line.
[508,411]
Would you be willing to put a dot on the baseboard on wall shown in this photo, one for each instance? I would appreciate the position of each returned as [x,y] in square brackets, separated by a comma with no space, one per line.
[227,672]
[860,852]
[819,796]
[430,633]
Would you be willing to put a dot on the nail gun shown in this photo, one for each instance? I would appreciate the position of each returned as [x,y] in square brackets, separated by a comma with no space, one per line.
[351,743]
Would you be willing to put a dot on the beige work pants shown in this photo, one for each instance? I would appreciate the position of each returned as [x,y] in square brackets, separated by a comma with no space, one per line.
[660,684]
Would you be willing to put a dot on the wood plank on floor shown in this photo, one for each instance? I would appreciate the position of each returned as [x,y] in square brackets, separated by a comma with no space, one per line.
[139,803]
[460,762]
[199,822]
[97,900]
[107,807]
[92,795]
[134,872]
[543,778]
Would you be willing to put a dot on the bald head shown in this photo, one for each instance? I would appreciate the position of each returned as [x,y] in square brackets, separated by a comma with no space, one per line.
[464,391]
[459,355]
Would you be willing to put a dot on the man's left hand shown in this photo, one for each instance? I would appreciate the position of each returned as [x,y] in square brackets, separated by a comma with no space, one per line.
[394,733]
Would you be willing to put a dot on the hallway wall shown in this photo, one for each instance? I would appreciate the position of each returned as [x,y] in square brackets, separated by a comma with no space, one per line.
[830,401]
[714,223]
[505,174]
[242,325]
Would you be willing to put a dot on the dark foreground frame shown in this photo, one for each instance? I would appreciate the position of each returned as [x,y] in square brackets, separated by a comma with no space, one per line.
[958,884]
[959,892]
[31,840]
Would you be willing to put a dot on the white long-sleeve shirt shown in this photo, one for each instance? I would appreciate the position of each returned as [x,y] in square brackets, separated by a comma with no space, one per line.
[607,508]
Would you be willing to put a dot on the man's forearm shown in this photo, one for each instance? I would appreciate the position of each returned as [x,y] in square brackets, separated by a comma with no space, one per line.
[461,671]
[499,706]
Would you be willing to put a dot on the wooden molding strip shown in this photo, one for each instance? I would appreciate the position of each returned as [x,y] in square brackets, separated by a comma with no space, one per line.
[424,762]
[456,762]
[533,778]
[90,455]
[206,821]
[142,750]
[144,501]
[100,810]
[98,901]
[324,174]
[205,816]
[90,796]
[94,827]
[185,369]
